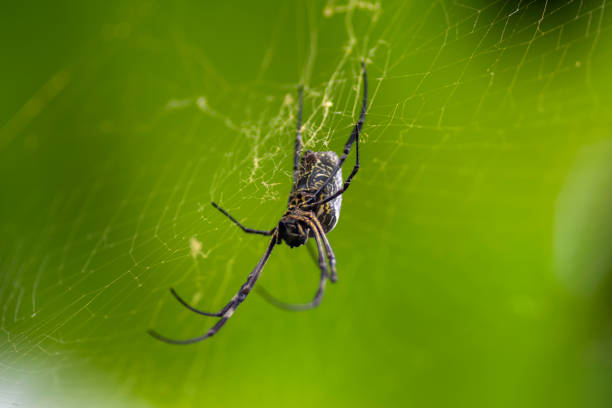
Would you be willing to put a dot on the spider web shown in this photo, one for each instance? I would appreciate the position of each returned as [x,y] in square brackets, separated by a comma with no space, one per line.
[475,111]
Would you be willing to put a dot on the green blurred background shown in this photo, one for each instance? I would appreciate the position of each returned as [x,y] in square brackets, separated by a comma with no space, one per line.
[474,246]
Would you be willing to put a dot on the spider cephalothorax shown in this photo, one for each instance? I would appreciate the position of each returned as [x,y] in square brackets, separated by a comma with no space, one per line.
[313,210]
[294,231]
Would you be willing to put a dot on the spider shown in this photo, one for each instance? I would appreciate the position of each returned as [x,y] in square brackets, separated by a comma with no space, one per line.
[313,210]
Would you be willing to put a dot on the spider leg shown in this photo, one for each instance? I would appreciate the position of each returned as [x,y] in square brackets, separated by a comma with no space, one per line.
[245,229]
[354,138]
[311,252]
[320,290]
[296,307]
[331,257]
[330,253]
[298,136]
[208,334]
[271,298]
[231,307]
[193,309]
[333,277]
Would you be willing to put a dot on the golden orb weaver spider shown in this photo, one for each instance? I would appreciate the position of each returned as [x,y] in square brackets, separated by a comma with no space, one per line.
[312,211]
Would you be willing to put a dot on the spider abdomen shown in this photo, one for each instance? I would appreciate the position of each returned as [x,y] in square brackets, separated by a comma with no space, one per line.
[315,168]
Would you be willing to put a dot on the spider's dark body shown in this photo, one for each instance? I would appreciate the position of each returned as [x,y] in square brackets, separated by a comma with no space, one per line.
[314,170]
[313,210]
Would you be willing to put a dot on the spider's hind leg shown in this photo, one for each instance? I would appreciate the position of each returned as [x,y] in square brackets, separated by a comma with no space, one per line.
[353,138]
[298,135]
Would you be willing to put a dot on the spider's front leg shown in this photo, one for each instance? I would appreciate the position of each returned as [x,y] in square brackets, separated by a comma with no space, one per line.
[245,229]
[331,257]
[229,309]
[198,311]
